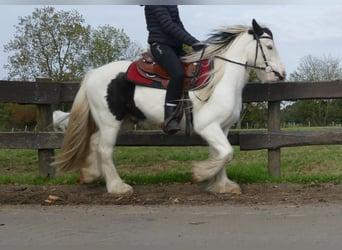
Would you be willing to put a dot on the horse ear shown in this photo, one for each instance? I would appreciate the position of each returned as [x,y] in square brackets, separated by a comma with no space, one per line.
[257,29]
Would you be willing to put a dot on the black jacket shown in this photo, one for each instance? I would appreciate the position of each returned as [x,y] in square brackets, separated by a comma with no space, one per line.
[165,27]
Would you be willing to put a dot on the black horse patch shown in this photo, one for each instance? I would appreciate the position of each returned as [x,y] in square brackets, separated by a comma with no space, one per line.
[120,93]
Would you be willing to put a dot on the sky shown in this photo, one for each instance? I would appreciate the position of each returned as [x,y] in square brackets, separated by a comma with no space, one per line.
[300,28]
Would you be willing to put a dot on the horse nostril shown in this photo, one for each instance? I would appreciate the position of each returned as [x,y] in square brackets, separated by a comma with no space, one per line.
[280,75]
[283,75]
[277,74]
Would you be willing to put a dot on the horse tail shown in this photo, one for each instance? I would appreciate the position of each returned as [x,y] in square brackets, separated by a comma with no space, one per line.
[81,126]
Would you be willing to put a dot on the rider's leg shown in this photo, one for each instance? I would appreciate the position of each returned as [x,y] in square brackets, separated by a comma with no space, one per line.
[168,58]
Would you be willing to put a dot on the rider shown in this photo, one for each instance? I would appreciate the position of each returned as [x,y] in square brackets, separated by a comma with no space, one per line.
[166,36]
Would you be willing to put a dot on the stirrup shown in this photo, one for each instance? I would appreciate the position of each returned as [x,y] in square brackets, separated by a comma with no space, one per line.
[171,126]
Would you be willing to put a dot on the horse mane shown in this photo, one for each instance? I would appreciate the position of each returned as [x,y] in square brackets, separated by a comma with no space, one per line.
[216,45]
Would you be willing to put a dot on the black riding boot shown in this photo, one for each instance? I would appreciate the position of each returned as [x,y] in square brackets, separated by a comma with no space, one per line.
[171,125]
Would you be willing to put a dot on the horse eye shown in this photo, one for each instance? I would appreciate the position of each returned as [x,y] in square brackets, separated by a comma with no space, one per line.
[270,47]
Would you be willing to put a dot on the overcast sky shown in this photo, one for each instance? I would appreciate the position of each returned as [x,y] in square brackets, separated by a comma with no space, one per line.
[307,28]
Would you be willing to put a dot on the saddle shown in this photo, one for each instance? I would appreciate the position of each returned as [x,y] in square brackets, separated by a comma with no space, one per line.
[147,72]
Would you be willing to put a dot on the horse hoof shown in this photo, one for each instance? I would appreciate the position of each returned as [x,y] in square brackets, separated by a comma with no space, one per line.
[227,188]
[197,178]
[236,191]
[200,176]
[205,170]
[127,193]
[121,190]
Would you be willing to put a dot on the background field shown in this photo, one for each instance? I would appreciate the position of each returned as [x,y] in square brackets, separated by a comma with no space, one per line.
[140,165]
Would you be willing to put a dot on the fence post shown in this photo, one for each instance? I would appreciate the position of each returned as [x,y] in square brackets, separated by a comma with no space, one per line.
[274,167]
[44,123]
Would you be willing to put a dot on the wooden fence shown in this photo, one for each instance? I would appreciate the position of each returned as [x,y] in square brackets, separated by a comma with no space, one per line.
[45,93]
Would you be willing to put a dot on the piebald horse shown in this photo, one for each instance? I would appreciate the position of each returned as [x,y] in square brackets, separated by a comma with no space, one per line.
[99,111]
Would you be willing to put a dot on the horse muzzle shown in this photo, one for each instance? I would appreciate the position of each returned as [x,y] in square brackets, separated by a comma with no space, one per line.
[280,75]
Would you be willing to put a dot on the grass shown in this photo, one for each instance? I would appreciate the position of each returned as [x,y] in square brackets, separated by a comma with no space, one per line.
[152,165]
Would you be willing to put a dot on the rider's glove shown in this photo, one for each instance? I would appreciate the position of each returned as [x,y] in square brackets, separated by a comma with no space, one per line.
[198,46]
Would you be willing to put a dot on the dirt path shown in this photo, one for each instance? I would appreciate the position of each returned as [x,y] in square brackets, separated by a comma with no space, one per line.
[188,194]
[219,226]
[175,216]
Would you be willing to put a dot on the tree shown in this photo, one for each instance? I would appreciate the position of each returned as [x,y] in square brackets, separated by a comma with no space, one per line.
[315,112]
[133,52]
[109,44]
[254,115]
[59,45]
[313,68]
[49,43]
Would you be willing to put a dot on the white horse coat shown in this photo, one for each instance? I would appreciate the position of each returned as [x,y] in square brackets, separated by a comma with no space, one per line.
[93,129]
[60,120]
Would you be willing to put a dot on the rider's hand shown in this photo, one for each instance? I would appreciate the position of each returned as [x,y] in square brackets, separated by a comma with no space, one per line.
[198,46]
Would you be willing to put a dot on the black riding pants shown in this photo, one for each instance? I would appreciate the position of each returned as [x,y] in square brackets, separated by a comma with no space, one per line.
[169,59]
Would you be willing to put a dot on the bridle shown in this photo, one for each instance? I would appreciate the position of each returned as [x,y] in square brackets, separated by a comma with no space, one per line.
[267,67]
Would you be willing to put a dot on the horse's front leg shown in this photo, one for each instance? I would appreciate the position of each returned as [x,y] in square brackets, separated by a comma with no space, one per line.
[220,183]
[220,150]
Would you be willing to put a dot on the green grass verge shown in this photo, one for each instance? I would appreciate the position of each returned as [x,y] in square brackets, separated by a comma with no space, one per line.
[153,165]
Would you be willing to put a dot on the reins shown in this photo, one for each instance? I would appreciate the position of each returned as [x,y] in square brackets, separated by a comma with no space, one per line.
[246,65]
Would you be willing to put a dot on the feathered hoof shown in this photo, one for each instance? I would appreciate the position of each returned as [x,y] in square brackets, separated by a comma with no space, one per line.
[228,188]
[205,170]
[88,175]
[196,178]
[236,190]
[121,189]
[126,193]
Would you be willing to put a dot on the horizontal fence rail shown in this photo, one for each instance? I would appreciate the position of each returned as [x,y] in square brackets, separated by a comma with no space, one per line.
[45,93]
[252,140]
[273,140]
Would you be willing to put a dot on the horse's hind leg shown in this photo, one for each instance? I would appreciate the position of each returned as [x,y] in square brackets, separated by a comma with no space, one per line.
[109,131]
[103,142]
[91,169]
